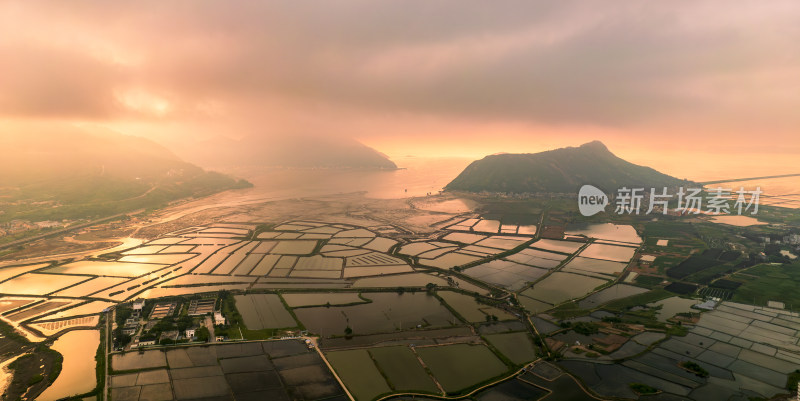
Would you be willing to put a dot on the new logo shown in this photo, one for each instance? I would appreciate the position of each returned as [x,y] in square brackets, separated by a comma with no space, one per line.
[591,200]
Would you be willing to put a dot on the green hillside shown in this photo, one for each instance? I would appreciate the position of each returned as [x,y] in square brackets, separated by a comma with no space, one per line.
[562,170]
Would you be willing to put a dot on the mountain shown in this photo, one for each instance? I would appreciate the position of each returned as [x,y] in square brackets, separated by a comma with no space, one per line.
[73,174]
[49,156]
[562,170]
[296,151]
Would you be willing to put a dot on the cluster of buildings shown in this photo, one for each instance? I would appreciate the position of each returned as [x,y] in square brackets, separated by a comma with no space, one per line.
[792,239]
[163,310]
[18,226]
[203,306]
[160,327]
[207,306]
[131,326]
[160,311]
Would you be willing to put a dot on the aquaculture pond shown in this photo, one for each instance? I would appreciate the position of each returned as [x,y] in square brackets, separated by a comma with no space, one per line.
[321,299]
[387,312]
[672,306]
[559,287]
[406,280]
[608,252]
[606,231]
[263,311]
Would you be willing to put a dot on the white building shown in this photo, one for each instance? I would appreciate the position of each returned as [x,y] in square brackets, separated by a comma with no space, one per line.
[219,319]
[138,305]
[190,333]
[709,304]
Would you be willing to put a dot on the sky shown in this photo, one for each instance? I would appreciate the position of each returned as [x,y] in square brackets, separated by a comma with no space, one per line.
[699,89]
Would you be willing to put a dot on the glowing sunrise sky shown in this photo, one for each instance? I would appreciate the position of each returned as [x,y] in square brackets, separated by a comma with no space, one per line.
[695,88]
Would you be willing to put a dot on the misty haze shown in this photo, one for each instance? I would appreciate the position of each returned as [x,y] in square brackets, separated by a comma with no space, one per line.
[385,200]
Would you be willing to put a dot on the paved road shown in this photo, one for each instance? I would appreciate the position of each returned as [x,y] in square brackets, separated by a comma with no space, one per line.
[210,326]
[319,351]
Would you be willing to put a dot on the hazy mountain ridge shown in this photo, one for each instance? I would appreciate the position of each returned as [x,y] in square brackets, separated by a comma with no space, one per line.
[562,170]
[298,151]
[58,155]
[74,174]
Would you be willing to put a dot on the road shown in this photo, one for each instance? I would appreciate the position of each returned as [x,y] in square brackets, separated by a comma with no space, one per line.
[459,397]
[210,326]
[321,355]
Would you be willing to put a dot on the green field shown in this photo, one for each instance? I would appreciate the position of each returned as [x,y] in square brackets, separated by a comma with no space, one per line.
[682,243]
[668,230]
[460,366]
[359,373]
[662,263]
[402,369]
[517,347]
[772,283]
[648,281]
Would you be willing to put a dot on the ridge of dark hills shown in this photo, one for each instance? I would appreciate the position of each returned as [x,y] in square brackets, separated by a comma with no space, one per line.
[562,170]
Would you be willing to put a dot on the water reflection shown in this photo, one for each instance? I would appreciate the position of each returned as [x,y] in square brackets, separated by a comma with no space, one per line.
[739,221]
[607,231]
[417,177]
[78,370]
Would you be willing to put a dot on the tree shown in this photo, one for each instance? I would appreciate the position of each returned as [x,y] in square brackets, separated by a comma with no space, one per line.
[122,314]
[792,380]
[184,322]
[585,328]
[221,330]
[431,287]
[694,368]
[348,331]
[165,324]
[202,334]
[123,339]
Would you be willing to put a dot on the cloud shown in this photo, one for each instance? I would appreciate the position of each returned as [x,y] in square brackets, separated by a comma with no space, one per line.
[43,82]
[266,67]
